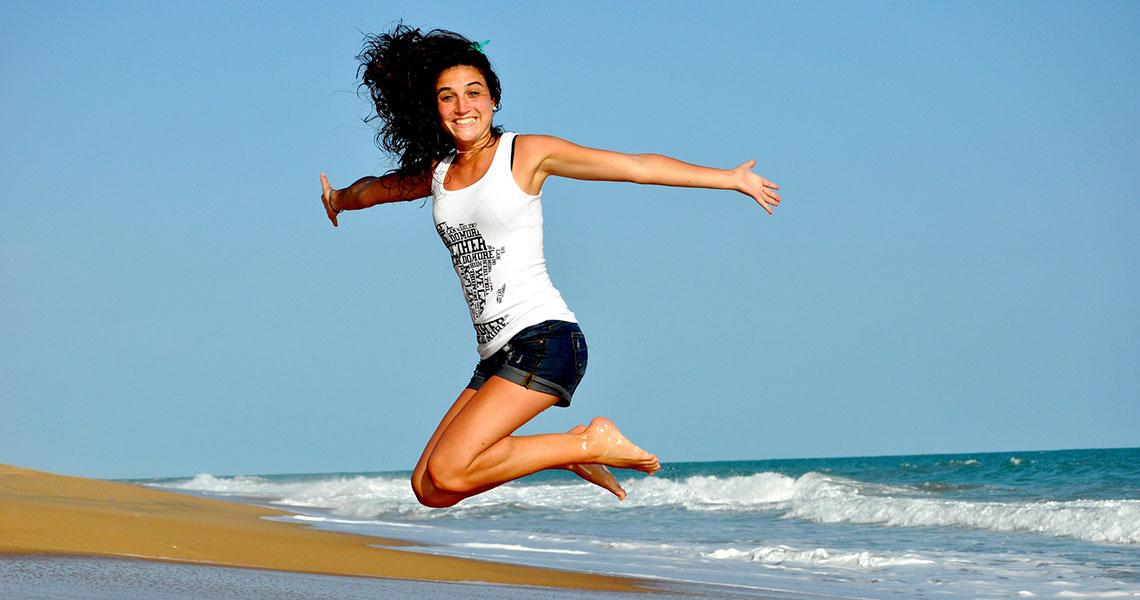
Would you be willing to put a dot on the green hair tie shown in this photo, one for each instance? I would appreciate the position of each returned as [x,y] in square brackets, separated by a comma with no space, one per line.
[479,47]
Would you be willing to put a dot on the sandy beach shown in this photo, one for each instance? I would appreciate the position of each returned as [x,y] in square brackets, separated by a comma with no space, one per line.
[42,514]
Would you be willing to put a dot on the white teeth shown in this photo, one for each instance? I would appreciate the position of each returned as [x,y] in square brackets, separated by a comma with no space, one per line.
[465,121]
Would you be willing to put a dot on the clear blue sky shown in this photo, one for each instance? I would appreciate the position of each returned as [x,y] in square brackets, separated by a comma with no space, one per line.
[955,266]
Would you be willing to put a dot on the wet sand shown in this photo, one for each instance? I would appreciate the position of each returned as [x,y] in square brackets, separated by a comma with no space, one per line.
[43,577]
[45,517]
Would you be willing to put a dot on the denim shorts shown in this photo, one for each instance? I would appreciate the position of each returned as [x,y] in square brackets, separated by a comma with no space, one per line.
[549,357]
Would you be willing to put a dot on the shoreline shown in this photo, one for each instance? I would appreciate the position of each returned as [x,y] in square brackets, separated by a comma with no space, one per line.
[46,514]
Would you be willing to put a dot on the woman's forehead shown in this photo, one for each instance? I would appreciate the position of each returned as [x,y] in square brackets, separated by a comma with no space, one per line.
[460,75]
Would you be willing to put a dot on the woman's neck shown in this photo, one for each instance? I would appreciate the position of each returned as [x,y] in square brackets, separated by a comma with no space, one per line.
[475,150]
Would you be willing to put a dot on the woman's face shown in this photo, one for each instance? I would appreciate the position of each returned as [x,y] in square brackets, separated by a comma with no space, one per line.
[465,105]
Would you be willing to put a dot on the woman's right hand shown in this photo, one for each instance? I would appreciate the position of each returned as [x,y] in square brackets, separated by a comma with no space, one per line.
[326,199]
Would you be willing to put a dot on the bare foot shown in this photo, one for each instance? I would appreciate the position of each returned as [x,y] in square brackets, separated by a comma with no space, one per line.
[616,450]
[598,475]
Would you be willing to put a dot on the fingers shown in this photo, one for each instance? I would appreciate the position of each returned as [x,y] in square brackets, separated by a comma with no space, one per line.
[766,196]
[326,199]
[768,200]
[326,190]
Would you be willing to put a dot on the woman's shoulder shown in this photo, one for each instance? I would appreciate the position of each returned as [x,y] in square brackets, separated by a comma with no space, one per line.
[530,138]
[541,141]
[534,142]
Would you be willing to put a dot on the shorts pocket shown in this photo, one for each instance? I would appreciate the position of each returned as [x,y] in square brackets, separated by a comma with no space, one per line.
[581,355]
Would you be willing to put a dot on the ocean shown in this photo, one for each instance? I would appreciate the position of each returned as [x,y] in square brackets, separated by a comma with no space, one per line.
[1055,524]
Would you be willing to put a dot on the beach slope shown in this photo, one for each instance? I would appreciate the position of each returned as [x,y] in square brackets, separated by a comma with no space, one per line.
[55,514]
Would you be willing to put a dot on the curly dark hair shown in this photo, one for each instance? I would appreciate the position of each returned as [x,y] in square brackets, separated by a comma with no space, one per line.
[399,70]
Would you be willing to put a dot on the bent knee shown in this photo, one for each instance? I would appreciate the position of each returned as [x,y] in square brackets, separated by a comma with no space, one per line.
[446,477]
[429,495]
[437,500]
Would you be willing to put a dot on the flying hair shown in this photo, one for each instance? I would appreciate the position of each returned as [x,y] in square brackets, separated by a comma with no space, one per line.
[399,70]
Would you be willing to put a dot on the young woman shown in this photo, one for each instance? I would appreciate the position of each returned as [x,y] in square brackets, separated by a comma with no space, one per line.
[435,95]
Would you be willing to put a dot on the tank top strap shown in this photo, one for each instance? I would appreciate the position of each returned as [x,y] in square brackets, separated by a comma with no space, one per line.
[501,164]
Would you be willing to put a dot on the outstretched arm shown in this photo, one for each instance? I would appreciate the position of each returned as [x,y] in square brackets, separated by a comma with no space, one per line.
[370,191]
[542,156]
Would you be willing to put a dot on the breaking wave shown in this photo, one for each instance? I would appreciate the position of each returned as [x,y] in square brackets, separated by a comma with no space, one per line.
[812,496]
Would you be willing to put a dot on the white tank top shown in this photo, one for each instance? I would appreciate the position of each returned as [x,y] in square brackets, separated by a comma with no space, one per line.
[494,233]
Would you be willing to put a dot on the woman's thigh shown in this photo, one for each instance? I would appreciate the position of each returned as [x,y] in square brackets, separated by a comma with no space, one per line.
[490,414]
[421,482]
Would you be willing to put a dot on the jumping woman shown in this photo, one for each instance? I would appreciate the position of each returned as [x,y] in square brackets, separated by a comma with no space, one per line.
[435,95]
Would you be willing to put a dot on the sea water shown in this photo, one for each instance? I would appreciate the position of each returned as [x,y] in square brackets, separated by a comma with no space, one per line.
[1057,524]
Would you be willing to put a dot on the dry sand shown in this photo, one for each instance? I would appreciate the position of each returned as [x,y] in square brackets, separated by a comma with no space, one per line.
[54,514]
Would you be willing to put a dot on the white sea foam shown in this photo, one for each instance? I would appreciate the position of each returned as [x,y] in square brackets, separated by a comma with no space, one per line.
[758,491]
[827,499]
[778,555]
[813,496]
[518,548]
[640,547]
[357,496]
[354,522]
[241,485]
[390,497]
[1098,594]
[1105,521]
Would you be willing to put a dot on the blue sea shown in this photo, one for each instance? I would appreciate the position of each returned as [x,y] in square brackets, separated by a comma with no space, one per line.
[1056,524]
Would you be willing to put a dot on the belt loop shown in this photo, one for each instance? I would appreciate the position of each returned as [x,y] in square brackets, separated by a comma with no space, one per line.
[529,379]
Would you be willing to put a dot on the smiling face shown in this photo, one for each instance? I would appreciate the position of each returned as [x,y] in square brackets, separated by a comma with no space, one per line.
[465,105]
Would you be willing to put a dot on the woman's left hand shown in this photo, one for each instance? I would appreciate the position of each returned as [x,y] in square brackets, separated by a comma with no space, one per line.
[761,190]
